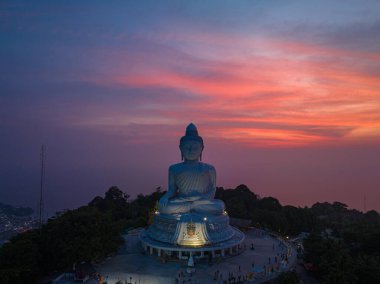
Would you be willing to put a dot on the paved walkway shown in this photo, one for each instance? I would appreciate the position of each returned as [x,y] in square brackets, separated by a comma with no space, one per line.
[131,264]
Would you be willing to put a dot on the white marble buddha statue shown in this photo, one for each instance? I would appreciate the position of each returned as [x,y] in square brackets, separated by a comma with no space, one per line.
[191,186]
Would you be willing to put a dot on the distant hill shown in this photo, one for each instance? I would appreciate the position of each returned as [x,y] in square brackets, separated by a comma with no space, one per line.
[15,210]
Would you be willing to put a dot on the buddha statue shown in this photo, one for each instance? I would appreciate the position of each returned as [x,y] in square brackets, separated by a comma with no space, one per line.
[189,220]
[191,186]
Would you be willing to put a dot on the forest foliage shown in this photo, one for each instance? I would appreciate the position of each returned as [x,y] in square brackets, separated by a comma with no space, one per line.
[89,233]
[93,232]
[347,250]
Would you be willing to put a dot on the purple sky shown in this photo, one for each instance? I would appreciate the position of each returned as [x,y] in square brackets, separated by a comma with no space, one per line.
[286,95]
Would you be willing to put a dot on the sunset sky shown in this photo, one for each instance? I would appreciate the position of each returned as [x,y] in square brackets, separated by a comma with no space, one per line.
[286,95]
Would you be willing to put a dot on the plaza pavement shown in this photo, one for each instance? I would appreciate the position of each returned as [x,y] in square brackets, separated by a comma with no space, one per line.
[133,265]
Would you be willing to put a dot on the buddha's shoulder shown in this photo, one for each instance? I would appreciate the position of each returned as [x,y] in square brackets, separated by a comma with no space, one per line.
[207,167]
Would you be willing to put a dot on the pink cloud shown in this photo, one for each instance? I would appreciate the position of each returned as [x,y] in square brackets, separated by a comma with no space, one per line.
[286,84]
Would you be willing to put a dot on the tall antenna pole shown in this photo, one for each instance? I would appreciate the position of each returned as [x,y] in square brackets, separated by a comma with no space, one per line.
[41,205]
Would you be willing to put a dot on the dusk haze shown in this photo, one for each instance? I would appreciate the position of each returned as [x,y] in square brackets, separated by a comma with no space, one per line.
[286,96]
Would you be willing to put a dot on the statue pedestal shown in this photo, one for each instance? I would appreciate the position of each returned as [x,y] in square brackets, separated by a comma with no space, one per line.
[190,229]
[191,234]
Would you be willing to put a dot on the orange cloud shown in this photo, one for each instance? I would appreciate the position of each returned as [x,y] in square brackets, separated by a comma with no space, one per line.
[289,87]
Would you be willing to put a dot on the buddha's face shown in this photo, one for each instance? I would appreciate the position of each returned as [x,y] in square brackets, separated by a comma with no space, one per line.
[191,150]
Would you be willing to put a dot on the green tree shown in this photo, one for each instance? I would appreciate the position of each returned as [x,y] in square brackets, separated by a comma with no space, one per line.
[20,258]
[289,277]
[82,234]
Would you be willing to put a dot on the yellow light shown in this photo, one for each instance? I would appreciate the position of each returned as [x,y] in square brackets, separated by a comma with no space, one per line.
[191,234]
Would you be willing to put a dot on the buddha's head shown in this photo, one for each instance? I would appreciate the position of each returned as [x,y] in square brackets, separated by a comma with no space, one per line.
[191,145]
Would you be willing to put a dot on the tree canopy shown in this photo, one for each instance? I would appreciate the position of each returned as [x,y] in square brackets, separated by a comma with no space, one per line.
[350,254]
[88,233]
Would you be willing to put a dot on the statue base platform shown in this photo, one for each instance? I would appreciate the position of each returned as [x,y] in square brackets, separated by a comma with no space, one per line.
[191,234]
